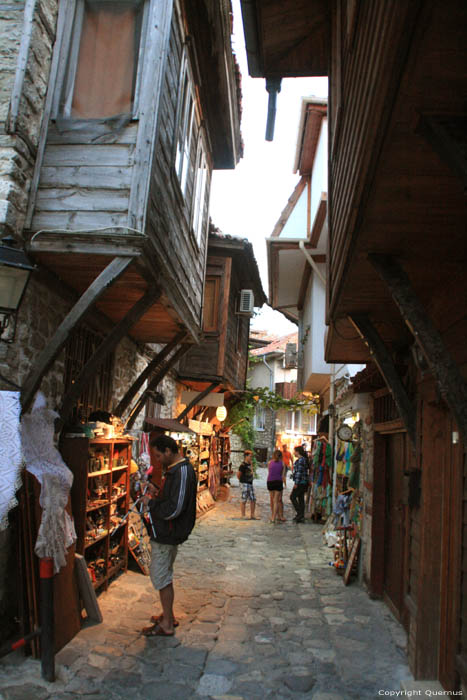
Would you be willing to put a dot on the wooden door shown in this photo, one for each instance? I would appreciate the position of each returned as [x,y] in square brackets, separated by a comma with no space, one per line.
[395,535]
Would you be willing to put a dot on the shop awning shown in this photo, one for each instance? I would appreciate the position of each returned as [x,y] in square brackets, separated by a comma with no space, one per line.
[168,424]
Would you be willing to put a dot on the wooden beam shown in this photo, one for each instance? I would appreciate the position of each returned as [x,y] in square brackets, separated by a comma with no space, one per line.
[199,397]
[107,277]
[383,359]
[135,411]
[145,374]
[289,207]
[451,383]
[107,345]
[224,316]
[320,218]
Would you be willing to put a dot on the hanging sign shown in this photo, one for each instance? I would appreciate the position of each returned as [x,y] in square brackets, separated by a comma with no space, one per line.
[211,399]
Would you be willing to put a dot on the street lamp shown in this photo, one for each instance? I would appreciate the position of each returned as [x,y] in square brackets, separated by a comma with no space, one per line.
[15,270]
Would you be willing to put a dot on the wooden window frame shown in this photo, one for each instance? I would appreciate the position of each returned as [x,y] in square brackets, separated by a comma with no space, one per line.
[260,411]
[68,62]
[198,220]
[214,329]
[187,114]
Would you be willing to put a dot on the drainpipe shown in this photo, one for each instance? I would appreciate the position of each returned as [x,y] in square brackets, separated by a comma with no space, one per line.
[273,86]
[315,267]
[271,388]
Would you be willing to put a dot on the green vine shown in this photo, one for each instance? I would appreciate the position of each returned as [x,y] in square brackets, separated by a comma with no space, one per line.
[241,415]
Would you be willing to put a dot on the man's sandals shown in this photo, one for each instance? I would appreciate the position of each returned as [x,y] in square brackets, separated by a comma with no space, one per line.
[155,630]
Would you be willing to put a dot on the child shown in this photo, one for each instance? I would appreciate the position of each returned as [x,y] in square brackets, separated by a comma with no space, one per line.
[245,477]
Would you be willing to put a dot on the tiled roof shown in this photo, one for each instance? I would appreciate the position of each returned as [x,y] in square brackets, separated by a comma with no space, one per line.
[277,345]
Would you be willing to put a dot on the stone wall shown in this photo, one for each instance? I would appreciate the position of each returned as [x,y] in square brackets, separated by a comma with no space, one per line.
[265,438]
[18,143]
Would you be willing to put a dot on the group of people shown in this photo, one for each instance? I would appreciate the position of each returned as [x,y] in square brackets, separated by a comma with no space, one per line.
[171,511]
[278,468]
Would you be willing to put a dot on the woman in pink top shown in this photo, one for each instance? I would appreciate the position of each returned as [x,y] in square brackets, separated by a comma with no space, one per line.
[276,470]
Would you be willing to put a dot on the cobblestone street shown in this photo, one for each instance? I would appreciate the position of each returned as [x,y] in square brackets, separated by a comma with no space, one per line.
[262,615]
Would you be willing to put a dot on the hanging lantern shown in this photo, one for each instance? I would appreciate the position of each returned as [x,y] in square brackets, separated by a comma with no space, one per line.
[221,413]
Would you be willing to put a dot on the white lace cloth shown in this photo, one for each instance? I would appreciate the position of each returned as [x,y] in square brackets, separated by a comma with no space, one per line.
[10,453]
[43,460]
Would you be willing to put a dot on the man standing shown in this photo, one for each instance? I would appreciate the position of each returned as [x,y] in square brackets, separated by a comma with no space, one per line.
[172,515]
[245,477]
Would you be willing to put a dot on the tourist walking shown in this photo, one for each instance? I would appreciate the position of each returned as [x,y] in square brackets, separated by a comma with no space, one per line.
[300,476]
[275,484]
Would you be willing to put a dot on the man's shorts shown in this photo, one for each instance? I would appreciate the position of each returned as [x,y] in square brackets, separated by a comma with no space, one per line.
[162,564]
[248,493]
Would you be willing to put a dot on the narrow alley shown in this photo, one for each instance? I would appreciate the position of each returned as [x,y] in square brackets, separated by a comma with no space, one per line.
[261,613]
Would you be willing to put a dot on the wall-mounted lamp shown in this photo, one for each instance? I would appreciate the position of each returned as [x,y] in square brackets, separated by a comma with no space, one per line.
[221,413]
[15,270]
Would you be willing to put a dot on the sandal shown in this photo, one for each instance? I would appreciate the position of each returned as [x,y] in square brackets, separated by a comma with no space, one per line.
[156,631]
[157,618]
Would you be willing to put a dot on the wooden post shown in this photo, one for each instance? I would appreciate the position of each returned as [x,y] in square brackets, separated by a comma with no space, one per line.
[135,411]
[32,382]
[386,366]
[145,374]
[451,383]
[114,337]
[196,400]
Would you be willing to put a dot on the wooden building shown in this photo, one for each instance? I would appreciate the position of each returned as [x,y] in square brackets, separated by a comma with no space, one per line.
[117,114]
[232,280]
[118,204]
[396,288]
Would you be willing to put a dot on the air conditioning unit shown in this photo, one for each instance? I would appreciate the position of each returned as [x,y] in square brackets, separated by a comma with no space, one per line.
[247,302]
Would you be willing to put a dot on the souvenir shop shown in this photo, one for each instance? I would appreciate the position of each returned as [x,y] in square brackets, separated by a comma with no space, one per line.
[343,528]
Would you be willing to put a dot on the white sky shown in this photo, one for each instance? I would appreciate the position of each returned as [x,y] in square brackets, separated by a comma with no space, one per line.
[248,201]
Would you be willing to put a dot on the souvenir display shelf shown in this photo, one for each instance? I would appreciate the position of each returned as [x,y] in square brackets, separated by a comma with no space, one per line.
[100,499]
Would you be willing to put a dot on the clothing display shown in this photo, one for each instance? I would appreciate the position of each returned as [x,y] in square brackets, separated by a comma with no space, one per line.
[320,479]
[10,453]
[43,460]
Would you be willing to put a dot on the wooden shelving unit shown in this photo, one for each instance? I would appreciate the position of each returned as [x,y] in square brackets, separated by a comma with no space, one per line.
[100,498]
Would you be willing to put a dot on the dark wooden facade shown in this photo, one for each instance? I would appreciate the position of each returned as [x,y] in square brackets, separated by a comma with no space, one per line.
[134,186]
[222,356]
[397,291]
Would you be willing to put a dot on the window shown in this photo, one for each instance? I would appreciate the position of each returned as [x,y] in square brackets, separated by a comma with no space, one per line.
[102,70]
[259,419]
[211,304]
[185,126]
[97,395]
[200,191]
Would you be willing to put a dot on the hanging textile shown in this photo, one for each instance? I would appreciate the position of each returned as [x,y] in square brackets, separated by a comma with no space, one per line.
[10,453]
[43,460]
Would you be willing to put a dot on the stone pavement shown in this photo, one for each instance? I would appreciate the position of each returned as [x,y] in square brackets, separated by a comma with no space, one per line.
[262,615]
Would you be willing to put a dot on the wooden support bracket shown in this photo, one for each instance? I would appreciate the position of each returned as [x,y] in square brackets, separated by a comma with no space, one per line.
[451,383]
[135,411]
[196,400]
[107,345]
[107,277]
[146,373]
[383,359]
